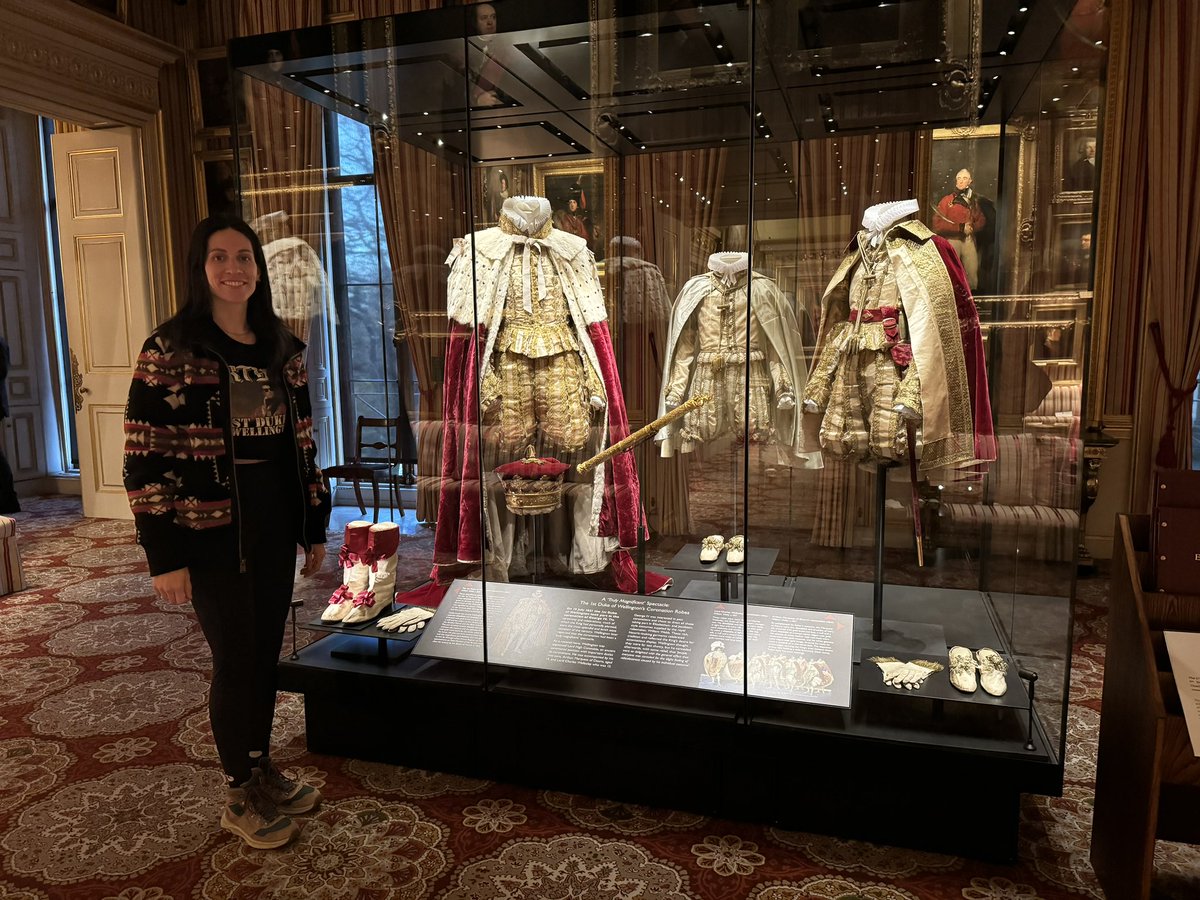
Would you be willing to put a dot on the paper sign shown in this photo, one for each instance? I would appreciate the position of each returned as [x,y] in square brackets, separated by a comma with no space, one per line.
[1184,648]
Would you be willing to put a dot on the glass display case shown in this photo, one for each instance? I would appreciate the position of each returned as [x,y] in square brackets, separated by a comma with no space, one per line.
[735,359]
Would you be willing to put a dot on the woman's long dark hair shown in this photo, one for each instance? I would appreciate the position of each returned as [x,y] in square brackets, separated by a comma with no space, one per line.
[194,319]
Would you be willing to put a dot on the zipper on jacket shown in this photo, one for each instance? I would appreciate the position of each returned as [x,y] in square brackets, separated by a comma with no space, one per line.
[237,497]
[287,395]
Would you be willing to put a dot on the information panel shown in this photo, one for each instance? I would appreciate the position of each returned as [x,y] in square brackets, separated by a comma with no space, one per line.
[776,652]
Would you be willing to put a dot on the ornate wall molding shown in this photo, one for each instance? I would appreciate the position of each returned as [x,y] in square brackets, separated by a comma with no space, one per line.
[62,59]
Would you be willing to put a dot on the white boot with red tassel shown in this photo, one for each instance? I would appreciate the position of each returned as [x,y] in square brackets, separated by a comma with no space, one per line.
[356,571]
[385,542]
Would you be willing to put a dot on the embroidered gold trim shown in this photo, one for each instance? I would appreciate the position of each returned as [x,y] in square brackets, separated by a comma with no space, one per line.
[959,447]
[509,227]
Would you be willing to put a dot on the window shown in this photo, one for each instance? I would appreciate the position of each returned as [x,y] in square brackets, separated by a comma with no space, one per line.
[362,280]
[1196,428]
[60,361]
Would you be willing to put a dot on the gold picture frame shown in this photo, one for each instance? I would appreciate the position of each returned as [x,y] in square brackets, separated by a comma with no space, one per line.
[583,182]
[1060,325]
[1074,176]
[495,184]
[1071,252]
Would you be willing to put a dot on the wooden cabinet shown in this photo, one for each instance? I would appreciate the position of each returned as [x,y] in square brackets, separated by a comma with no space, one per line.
[1147,778]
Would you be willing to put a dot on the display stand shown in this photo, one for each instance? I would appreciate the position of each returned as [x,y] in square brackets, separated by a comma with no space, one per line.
[758,561]
[880,512]
[388,646]
[891,635]
[539,542]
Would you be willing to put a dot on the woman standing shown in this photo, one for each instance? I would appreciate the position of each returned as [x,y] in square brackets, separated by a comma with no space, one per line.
[222,478]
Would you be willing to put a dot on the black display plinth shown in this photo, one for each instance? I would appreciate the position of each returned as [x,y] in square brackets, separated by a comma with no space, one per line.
[835,771]
[374,644]
[917,638]
[763,594]
[758,561]
[938,687]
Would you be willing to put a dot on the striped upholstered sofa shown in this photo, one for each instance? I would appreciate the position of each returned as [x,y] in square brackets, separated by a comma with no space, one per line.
[1029,499]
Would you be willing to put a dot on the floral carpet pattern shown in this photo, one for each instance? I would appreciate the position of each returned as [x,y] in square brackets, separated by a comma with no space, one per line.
[109,788]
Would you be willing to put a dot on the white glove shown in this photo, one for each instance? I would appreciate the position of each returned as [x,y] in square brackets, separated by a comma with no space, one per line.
[597,401]
[411,618]
[905,675]
[908,676]
[786,401]
[888,665]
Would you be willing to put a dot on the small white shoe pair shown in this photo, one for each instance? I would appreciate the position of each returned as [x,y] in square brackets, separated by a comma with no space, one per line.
[712,546]
[992,670]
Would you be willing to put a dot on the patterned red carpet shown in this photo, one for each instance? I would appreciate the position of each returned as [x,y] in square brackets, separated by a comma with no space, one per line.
[109,788]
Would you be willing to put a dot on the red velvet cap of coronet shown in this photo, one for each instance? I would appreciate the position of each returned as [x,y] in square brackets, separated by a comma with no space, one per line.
[533,467]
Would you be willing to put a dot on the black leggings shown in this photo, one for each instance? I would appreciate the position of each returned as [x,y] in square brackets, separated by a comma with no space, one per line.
[242,616]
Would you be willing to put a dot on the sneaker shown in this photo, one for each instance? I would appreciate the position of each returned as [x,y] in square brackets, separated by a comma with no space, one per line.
[290,797]
[250,814]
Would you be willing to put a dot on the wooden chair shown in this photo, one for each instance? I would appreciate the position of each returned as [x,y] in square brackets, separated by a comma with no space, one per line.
[1147,778]
[374,468]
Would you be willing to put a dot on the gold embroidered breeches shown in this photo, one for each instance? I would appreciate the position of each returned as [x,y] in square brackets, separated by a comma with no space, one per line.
[723,375]
[861,421]
[548,394]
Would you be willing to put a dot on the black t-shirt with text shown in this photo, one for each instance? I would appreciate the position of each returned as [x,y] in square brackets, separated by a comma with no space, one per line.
[258,408]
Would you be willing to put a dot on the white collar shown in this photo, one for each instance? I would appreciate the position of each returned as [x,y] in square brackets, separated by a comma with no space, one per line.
[728,266]
[878,218]
[529,214]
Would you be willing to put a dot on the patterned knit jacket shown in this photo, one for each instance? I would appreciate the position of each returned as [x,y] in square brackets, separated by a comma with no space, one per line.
[179,471]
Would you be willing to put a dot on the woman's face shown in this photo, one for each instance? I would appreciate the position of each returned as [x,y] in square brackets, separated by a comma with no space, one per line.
[230,267]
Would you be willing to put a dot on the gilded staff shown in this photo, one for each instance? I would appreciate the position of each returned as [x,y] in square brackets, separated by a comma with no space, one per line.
[644,432]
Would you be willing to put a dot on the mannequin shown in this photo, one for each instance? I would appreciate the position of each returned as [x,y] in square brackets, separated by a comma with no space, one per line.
[525,301]
[707,354]
[540,376]
[899,346]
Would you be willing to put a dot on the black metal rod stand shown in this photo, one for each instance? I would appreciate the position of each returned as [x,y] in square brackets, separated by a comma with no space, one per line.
[880,510]
[296,604]
[642,528]
[1031,678]
[535,523]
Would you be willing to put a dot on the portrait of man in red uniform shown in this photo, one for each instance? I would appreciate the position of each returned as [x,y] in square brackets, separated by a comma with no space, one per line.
[959,218]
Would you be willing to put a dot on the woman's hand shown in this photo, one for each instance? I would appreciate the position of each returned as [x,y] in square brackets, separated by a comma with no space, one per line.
[174,587]
[313,558]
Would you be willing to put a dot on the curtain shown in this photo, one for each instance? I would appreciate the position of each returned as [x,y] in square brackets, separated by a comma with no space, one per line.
[662,209]
[282,154]
[1166,150]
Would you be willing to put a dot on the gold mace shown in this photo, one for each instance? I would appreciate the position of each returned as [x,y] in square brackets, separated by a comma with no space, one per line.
[644,432]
